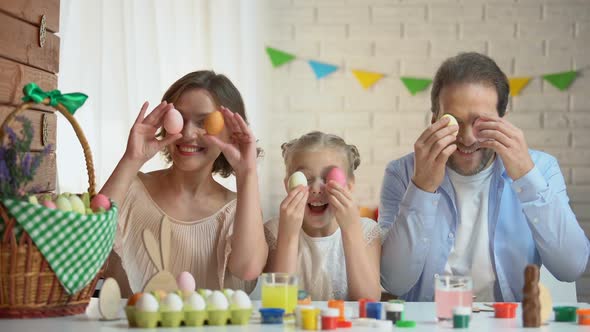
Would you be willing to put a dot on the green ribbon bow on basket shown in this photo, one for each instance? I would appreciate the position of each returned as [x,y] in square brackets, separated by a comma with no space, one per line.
[71,101]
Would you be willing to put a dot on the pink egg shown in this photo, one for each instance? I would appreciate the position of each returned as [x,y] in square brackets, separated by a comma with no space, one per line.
[173,122]
[49,204]
[338,175]
[100,201]
[186,282]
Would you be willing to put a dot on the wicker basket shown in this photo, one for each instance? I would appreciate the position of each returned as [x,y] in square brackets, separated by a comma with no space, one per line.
[29,288]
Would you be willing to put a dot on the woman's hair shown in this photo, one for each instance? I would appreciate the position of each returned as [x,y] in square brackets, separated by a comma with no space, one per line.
[224,93]
[317,139]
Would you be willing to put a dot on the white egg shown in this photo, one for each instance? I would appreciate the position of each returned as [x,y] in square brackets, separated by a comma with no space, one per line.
[172,302]
[241,300]
[217,301]
[228,293]
[195,302]
[147,303]
[296,179]
[205,292]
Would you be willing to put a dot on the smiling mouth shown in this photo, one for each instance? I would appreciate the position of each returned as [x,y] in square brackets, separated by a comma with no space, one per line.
[190,150]
[317,208]
[468,151]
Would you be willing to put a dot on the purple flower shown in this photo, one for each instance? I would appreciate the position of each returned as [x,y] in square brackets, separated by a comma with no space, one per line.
[11,135]
[26,164]
[4,172]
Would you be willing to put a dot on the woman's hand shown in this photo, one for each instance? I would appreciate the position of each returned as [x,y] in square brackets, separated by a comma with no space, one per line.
[142,143]
[240,152]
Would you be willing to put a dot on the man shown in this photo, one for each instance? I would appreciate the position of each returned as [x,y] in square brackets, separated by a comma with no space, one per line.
[479,203]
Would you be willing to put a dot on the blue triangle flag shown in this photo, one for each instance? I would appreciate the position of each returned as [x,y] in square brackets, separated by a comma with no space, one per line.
[321,69]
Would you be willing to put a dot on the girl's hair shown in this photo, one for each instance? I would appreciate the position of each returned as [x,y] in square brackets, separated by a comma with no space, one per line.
[317,139]
[224,93]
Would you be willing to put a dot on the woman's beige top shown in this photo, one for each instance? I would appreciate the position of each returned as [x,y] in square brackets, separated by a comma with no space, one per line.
[201,247]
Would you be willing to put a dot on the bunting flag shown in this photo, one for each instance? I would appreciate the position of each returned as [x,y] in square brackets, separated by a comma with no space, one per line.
[562,80]
[321,69]
[279,58]
[415,85]
[366,78]
[517,84]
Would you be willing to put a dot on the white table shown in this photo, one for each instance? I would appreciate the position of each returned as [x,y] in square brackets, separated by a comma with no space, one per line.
[421,312]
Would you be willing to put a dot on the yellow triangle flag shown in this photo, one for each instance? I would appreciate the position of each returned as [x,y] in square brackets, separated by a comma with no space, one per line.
[517,84]
[367,78]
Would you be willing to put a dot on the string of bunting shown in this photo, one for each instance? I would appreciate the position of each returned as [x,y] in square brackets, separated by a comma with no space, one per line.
[367,79]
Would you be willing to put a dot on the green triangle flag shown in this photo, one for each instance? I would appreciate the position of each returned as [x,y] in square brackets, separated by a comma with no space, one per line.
[561,80]
[415,85]
[278,58]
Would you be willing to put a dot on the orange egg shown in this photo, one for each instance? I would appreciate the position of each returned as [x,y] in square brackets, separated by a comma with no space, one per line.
[133,299]
[366,212]
[214,123]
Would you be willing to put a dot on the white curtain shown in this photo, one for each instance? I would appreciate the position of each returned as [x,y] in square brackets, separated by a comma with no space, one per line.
[122,53]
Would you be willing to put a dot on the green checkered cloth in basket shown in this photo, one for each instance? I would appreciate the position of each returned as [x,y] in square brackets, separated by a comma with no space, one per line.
[75,246]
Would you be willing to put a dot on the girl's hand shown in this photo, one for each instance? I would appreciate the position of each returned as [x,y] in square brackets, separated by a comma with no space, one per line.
[240,152]
[342,205]
[292,211]
[142,144]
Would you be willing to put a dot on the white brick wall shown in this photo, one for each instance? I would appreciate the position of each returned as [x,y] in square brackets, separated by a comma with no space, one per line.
[401,37]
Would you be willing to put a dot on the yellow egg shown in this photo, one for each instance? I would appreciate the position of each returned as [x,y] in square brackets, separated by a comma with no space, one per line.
[452,121]
[214,123]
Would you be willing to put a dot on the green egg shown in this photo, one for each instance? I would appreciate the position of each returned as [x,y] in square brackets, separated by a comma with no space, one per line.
[77,204]
[63,203]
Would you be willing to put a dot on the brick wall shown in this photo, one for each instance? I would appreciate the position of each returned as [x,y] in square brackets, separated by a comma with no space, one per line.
[396,37]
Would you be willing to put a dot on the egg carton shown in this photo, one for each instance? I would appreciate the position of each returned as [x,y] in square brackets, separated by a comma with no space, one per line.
[145,319]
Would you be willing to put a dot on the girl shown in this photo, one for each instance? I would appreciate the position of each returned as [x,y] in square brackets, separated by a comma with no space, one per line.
[217,235]
[319,234]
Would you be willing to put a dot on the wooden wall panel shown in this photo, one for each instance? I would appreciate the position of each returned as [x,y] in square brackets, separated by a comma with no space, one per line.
[37,118]
[32,11]
[13,76]
[19,41]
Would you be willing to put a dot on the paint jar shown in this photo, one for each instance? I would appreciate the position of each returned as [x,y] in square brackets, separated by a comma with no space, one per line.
[337,304]
[363,307]
[505,309]
[565,314]
[402,302]
[405,323]
[303,298]
[344,324]
[298,317]
[375,310]
[461,317]
[309,319]
[330,317]
[583,316]
[272,315]
[394,311]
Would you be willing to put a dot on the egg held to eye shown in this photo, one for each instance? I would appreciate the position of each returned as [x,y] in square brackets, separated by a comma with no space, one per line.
[452,121]
[173,122]
[336,174]
[297,179]
[214,123]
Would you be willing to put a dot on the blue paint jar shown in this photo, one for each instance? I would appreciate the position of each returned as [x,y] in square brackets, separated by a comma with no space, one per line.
[272,315]
[375,310]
